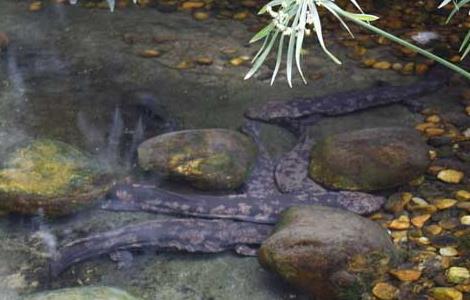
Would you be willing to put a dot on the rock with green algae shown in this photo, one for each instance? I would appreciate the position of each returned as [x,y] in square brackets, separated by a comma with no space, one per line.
[312,246]
[52,176]
[369,159]
[83,293]
[208,159]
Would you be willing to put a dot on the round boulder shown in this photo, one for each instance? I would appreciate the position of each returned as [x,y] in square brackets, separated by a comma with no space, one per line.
[208,159]
[369,159]
[50,176]
[83,293]
[312,247]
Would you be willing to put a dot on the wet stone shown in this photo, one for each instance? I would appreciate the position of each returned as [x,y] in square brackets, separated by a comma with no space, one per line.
[448,251]
[52,176]
[444,293]
[385,291]
[450,176]
[457,274]
[397,202]
[406,274]
[208,159]
[369,159]
[312,243]
[83,293]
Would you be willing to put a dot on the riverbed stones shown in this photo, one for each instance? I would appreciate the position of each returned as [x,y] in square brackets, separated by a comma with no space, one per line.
[208,159]
[311,245]
[50,176]
[369,159]
[83,293]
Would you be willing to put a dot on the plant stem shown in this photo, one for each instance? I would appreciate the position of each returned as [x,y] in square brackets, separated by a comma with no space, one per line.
[406,44]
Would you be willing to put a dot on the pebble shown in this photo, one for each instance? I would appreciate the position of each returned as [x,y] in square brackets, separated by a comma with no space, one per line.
[444,203]
[419,221]
[432,154]
[423,126]
[433,119]
[464,288]
[465,220]
[445,293]
[184,64]
[150,53]
[397,202]
[406,274]
[200,15]
[204,60]
[240,16]
[449,223]
[403,222]
[237,61]
[464,205]
[450,176]
[462,195]
[35,6]
[457,274]
[408,68]
[448,251]
[397,66]
[188,5]
[433,131]
[382,65]
[433,229]
[385,291]
[421,69]
[467,110]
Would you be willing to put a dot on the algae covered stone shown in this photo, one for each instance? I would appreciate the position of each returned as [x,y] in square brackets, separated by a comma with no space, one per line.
[83,293]
[208,159]
[369,159]
[52,176]
[313,245]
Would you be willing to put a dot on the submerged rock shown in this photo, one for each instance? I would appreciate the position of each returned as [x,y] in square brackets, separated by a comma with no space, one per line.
[209,159]
[83,293]
[52,176]
[312,246]
[369,159]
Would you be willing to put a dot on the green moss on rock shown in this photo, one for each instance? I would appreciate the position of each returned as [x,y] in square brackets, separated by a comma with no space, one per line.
[49,175]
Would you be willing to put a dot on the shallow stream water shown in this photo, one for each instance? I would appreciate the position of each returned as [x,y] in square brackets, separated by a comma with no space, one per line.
[69,72]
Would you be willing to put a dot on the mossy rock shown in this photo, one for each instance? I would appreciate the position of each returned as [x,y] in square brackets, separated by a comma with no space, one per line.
[369,159]
[83,293]
[312,247]
[52,176]
[208,159]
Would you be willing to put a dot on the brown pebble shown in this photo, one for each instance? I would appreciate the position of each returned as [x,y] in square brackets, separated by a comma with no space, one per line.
[200,15]
[203,60]
[419,221]
[433,229]
[150,53]
[421,69]
[240,16]
[406,274]
[382,65]
[462,195]
[408,68]
[188,5]
[184,64]
[450,176]
[432,131]
[385,291]
[35,6]
[423,126]
[433,119]
[403,222]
